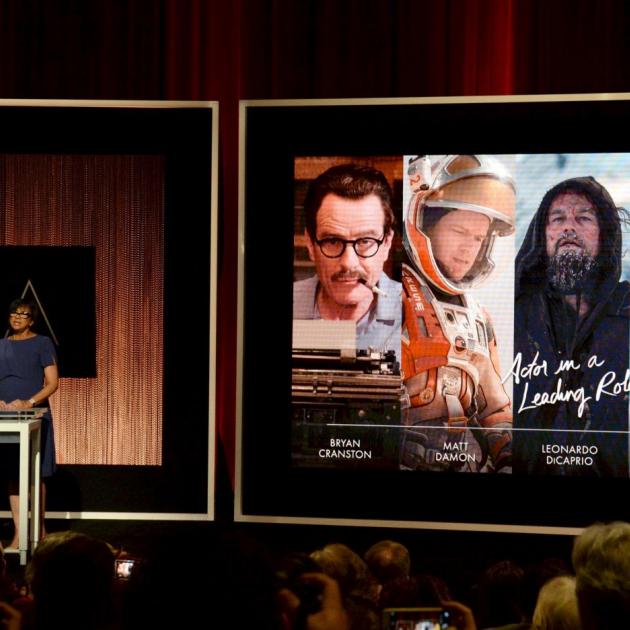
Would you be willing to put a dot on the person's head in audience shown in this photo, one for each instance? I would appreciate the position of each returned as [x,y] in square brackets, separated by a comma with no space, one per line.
[344,565]
[601,559]
[71,577]
[356,584]
[388,560]
[498,595]
[557,608]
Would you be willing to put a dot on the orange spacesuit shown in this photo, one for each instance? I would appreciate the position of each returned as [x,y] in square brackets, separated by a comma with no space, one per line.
[456,412]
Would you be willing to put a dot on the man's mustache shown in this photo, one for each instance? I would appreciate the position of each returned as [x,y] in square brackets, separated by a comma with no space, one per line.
[569,237]
[344,276]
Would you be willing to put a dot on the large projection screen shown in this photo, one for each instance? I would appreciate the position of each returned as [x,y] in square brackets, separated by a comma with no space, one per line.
[108,221]
[434,306]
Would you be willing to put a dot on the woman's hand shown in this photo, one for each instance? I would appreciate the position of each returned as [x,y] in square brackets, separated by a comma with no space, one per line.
[19,405]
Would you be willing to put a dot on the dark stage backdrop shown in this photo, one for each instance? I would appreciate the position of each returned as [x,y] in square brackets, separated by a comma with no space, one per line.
[206,49]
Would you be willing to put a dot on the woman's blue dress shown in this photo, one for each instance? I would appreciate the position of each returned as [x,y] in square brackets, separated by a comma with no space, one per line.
[22,364]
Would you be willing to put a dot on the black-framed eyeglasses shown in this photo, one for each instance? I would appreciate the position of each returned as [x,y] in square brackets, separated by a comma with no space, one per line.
[365,247]
[21,315]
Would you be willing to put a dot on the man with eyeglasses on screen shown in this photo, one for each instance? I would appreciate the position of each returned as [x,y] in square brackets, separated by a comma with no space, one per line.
[349,232]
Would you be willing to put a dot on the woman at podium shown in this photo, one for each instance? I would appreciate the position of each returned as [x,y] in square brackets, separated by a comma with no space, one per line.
[28,376]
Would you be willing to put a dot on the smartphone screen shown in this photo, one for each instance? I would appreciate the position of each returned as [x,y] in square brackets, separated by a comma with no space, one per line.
[123,568]
[415,619]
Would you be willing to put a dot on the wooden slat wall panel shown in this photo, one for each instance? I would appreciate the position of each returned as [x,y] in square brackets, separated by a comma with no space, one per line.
[115,204]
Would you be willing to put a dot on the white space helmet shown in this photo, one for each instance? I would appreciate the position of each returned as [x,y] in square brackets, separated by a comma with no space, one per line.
[474,183]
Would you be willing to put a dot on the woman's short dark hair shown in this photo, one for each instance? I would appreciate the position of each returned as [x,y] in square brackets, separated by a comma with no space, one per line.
[350,181]
[23,302]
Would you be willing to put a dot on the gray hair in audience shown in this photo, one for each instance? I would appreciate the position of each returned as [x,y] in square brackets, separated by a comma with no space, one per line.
[601,559]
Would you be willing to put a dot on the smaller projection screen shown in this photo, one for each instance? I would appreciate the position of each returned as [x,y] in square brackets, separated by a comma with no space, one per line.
[108,226]
[449,339]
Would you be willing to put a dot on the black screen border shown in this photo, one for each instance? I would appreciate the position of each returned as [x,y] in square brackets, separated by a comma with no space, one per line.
[273,133]
[185,134]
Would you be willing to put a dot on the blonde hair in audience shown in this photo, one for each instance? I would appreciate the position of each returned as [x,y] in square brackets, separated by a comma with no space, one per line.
[557,608]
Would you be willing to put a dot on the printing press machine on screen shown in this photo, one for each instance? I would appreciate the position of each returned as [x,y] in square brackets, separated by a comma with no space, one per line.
[342,395]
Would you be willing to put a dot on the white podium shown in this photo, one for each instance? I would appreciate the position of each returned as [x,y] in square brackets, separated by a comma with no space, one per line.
[24,427]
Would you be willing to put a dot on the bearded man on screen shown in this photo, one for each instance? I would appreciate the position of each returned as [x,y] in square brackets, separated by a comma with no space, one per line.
[571,321]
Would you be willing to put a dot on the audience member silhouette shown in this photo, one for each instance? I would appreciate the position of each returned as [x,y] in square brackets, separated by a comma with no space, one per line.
[358,588]
[225,575]
[71,577]
[498,597]
[388,560]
